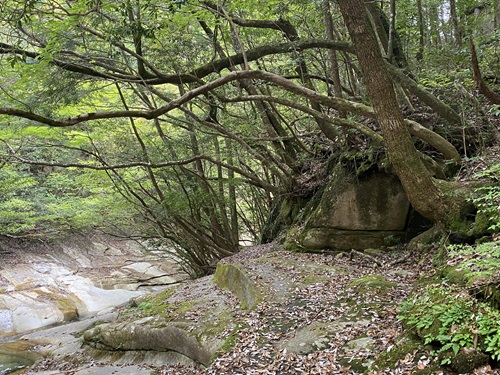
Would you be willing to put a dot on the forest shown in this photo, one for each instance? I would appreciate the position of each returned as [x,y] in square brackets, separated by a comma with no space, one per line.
[203,126]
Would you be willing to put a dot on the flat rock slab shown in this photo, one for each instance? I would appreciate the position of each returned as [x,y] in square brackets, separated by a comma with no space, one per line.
[46,283]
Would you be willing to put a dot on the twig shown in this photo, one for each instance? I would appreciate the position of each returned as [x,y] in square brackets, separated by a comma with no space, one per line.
[400,260]
[355,252]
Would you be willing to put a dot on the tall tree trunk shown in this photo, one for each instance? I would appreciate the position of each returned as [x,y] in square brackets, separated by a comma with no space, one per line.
[392,31]
[421,33]
[417,181]
[233,211]
[457,33]
[334,63]
[481,85]
[433,17]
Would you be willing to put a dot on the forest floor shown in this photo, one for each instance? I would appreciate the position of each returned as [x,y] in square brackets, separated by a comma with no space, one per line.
[369,310]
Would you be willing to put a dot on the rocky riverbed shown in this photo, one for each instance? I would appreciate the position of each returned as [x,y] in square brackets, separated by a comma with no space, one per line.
[49,283]
[264,311]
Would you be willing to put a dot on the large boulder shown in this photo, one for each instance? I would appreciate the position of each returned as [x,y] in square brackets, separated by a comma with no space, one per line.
[378,203]
[357,214]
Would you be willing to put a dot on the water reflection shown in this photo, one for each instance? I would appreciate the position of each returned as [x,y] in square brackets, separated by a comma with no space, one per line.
[10,363]
[15,356]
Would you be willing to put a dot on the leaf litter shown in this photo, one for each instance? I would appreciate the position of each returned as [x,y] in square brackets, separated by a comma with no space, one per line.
[358,316]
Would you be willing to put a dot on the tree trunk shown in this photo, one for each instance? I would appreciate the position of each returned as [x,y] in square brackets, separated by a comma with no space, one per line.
[392,30]
[481,86]
[433,16]
[457,33]
[421,34]
[334,63]
[423,194]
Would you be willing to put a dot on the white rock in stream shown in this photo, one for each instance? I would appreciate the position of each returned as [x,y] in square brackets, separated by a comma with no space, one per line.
[45,283]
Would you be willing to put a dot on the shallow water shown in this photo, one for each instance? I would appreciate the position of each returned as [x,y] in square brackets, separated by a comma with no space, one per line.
[10,363]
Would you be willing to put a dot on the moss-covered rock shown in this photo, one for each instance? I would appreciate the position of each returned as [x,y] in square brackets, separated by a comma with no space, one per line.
[319,238]
[455,275]
[370,283]
[467,360]
[232,277]
[389,359]
[183,325]
[426,240]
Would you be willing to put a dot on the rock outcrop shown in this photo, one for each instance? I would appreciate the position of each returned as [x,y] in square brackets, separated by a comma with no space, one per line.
[46,283]
[356,214]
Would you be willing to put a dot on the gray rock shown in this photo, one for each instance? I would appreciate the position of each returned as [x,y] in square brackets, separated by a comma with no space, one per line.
[130,336]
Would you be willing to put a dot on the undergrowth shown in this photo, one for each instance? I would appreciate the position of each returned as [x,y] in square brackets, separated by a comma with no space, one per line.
[452,317]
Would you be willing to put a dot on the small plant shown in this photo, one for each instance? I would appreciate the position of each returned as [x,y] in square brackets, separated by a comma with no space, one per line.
[487,198]
[145,306]
[483,258]
[451,319]
[494,110]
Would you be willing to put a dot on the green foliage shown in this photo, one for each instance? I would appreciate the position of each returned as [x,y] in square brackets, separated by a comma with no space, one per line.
[87,56]
[483,258]
[494,110]
[17,212]
[487,198]
[55,202]
[451,319]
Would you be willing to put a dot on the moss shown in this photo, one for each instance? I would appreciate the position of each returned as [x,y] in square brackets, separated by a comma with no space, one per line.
[292,241]
[456,275]
[231,277]
[371,283]
[157,305]
[465,362]
[226,347]
[230,341]
[313,279]
[389,359]
[356,365]
[427,240]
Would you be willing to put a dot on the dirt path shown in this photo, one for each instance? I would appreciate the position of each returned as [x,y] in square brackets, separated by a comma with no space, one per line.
[322,314]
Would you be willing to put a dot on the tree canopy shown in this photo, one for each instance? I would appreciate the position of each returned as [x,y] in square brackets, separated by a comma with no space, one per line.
[187,122]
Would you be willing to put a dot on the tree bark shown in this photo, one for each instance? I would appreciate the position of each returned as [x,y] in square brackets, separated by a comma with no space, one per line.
[421,34]
[434,21]
[392,30]
[417,181]
[457,33]
[334,63]
[481,86]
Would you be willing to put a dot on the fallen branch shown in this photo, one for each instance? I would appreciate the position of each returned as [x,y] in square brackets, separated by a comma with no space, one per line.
[400,260]
[363,255]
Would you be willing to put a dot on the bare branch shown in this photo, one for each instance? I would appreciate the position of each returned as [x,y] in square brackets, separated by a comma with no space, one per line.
[251,178]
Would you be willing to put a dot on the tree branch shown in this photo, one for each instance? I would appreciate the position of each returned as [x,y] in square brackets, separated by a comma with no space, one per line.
[251,178]
[194,76]
[435,140]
